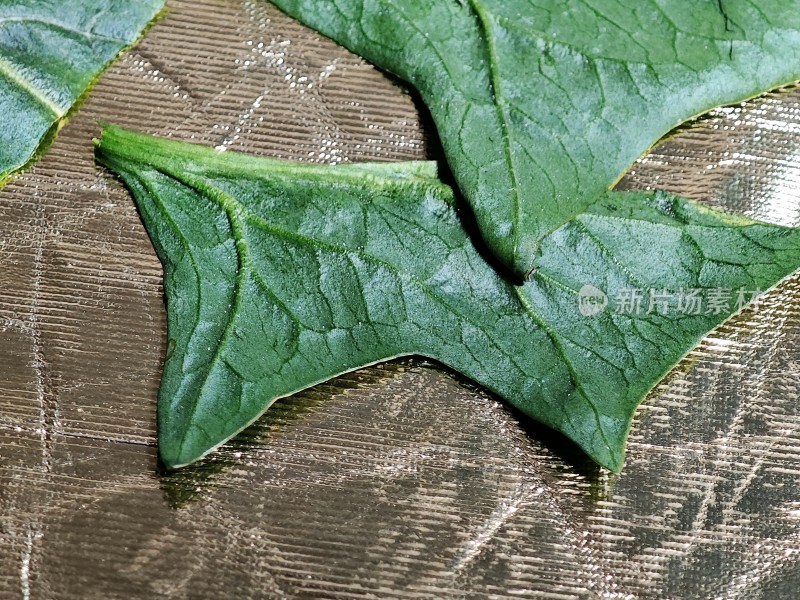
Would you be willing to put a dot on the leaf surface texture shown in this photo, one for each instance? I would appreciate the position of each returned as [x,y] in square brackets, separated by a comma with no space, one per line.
[50,54]
[282,275]
[542,105]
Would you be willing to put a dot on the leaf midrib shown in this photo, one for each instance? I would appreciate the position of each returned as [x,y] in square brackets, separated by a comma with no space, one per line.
[30,88]
[15,75]
[63,27]
[554,339]
[482,17]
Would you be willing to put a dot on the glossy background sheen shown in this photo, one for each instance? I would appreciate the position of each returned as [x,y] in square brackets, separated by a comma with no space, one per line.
[400,481]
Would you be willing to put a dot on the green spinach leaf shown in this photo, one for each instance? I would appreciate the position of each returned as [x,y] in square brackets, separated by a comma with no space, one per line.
[50,54]
[281,275]
[542,105]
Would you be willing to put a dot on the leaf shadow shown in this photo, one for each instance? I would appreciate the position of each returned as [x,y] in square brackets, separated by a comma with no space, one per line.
[566,453]
[188,484]
[183,487]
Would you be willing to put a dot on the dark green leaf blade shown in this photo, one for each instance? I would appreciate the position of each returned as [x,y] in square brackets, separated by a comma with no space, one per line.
[281,275]
[543,106]
[50,54]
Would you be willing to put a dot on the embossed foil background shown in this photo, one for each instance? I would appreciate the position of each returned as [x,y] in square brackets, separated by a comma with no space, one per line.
[399,481]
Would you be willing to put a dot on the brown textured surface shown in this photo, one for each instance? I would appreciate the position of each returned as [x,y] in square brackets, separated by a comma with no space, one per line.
[400,481]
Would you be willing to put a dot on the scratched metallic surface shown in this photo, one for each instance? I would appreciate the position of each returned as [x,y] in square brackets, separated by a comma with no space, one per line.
[399,481]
